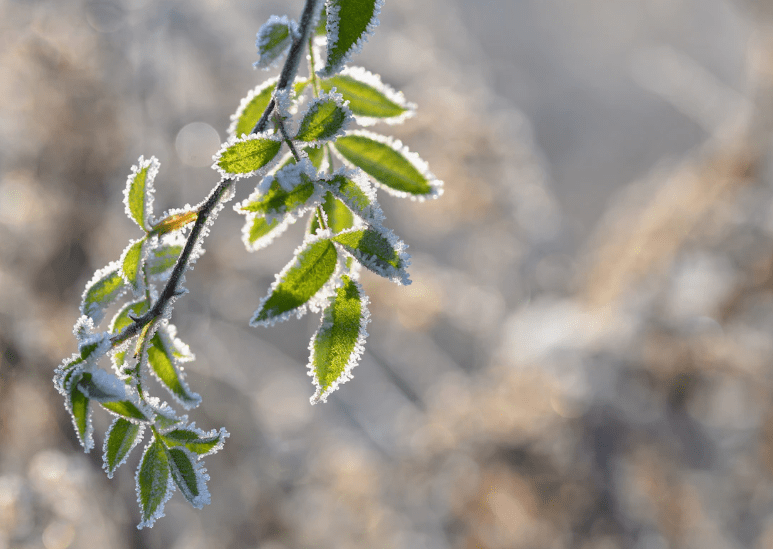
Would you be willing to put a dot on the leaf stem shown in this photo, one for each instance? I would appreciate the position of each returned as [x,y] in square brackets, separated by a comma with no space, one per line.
[171,289]
[281,125]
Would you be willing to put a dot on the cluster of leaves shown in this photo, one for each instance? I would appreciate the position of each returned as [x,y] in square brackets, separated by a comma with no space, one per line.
[329,172]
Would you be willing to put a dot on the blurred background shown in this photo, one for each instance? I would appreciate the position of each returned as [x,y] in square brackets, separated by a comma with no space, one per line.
[585,356]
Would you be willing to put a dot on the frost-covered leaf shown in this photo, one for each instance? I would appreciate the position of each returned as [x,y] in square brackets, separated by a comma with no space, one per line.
[131,261]
[316,156]
[126,409]
[290,191]
[353,189]
[274,39]
[163,257]
[390,164]
[337,216]
[92,346]
[300,281]
[348,24]
[138,195]
[174,220]
[122,318]
[190,476]
[77,404]
[165,353]
[338,344]
[247,156]
[258,232]
[154,483]
[121,437]
[370,100]
[196,440]
[325,118]
[106,286]
[379,250]
[102,386]
[251,109]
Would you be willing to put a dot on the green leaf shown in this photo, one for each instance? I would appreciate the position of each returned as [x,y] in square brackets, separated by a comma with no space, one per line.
[131,265]
[121,437]
[126,409]
[338,344]
[122,319]
[196,440]
[78,406]
[348,24]
[337,216]
[324,119]
[370,100]
[247,156]
[165,352]
[393,166]
[251,109]
[276,200]
[163,257]
[274,39]
[316,157]
[302,278]
[378,251]
[354,190]
[258,232]
[189,476]
[154,483]
[105,287]
[138,195]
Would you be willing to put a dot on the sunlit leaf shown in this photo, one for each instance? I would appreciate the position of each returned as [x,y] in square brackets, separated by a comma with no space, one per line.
[138,195]
[300,281]
[370,100]
[338,344]
[348,24]
[325,118]
[390,164]
[337,216]
[154,483]
[353,189]
[131,261]
[247,156]
[378,250]
[121,437]
[106,286]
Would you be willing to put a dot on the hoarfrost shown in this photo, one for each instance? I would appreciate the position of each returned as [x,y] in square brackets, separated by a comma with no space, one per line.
[316,302]
[413,158]
[333,20]
[354,358]
[269,57]
[270,83]
[290,176]
[374,80]
[93,302]
[152,164]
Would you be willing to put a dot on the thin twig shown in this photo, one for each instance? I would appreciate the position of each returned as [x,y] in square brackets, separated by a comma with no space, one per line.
[171,289]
